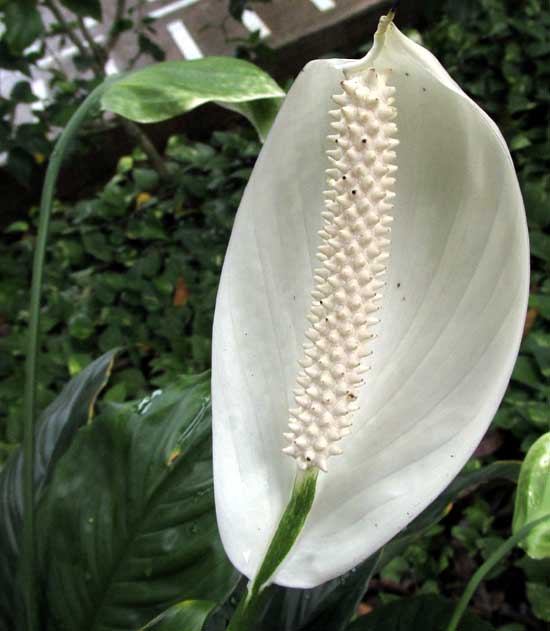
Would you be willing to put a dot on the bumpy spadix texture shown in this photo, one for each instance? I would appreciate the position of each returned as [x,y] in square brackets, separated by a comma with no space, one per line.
[353,251]
[451,317]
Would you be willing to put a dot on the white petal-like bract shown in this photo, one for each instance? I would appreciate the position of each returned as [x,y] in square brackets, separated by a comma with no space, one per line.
[450,323]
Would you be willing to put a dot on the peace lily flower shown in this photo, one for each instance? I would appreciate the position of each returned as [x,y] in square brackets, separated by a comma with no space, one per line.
[370,308]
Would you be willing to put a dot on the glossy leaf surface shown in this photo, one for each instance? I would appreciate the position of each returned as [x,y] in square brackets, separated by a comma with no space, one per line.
[188,615]
[127,523]
[167,89]
[54,431]
[533,498]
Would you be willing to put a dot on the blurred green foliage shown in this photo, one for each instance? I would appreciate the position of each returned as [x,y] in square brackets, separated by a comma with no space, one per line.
[135,266]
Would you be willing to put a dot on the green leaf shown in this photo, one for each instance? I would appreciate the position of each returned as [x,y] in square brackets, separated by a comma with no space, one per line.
[84,8]
[54,430]
[540,245]
[146,179]
[419,613]
[520,141]
[542,302]
[147,46]
[260,113]
[165,90]
[328,607]
[127,524]
[17,226]
[23,24]
[188,615]
[539,599]
[81,326]
[525,372]
[22,92]
[533,498]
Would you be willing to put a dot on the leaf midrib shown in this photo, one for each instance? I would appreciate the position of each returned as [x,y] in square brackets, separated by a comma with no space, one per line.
[130,539]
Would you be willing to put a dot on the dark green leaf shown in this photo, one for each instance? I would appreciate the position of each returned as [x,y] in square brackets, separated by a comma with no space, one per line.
[146,179]
[149,47]
[81,326]
[54,430]
[420,613]
[525,372]
[188,615]
[20,164]
[128,525]
[260,113]
[539,599]
[542,303]
[84,8]
[23,24]
[519,142]
[328,607]
[22,92]
[540,245]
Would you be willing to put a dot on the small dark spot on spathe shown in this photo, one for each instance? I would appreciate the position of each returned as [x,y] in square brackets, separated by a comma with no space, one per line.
[407,74]
[354,192]
[398,285]
[344,177]
[364,140]
[423,89]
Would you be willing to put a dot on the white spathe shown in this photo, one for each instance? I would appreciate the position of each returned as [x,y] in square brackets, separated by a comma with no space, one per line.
[451,320]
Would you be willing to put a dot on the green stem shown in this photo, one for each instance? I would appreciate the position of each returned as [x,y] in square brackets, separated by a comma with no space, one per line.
[486,567]
[29,408]
[290,526]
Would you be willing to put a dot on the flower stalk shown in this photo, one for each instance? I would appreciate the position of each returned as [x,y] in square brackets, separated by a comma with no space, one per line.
[484,569]
[288,530]
[28,572]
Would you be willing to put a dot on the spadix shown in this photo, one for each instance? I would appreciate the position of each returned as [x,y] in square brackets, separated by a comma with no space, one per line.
[333,336]
[353,253]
